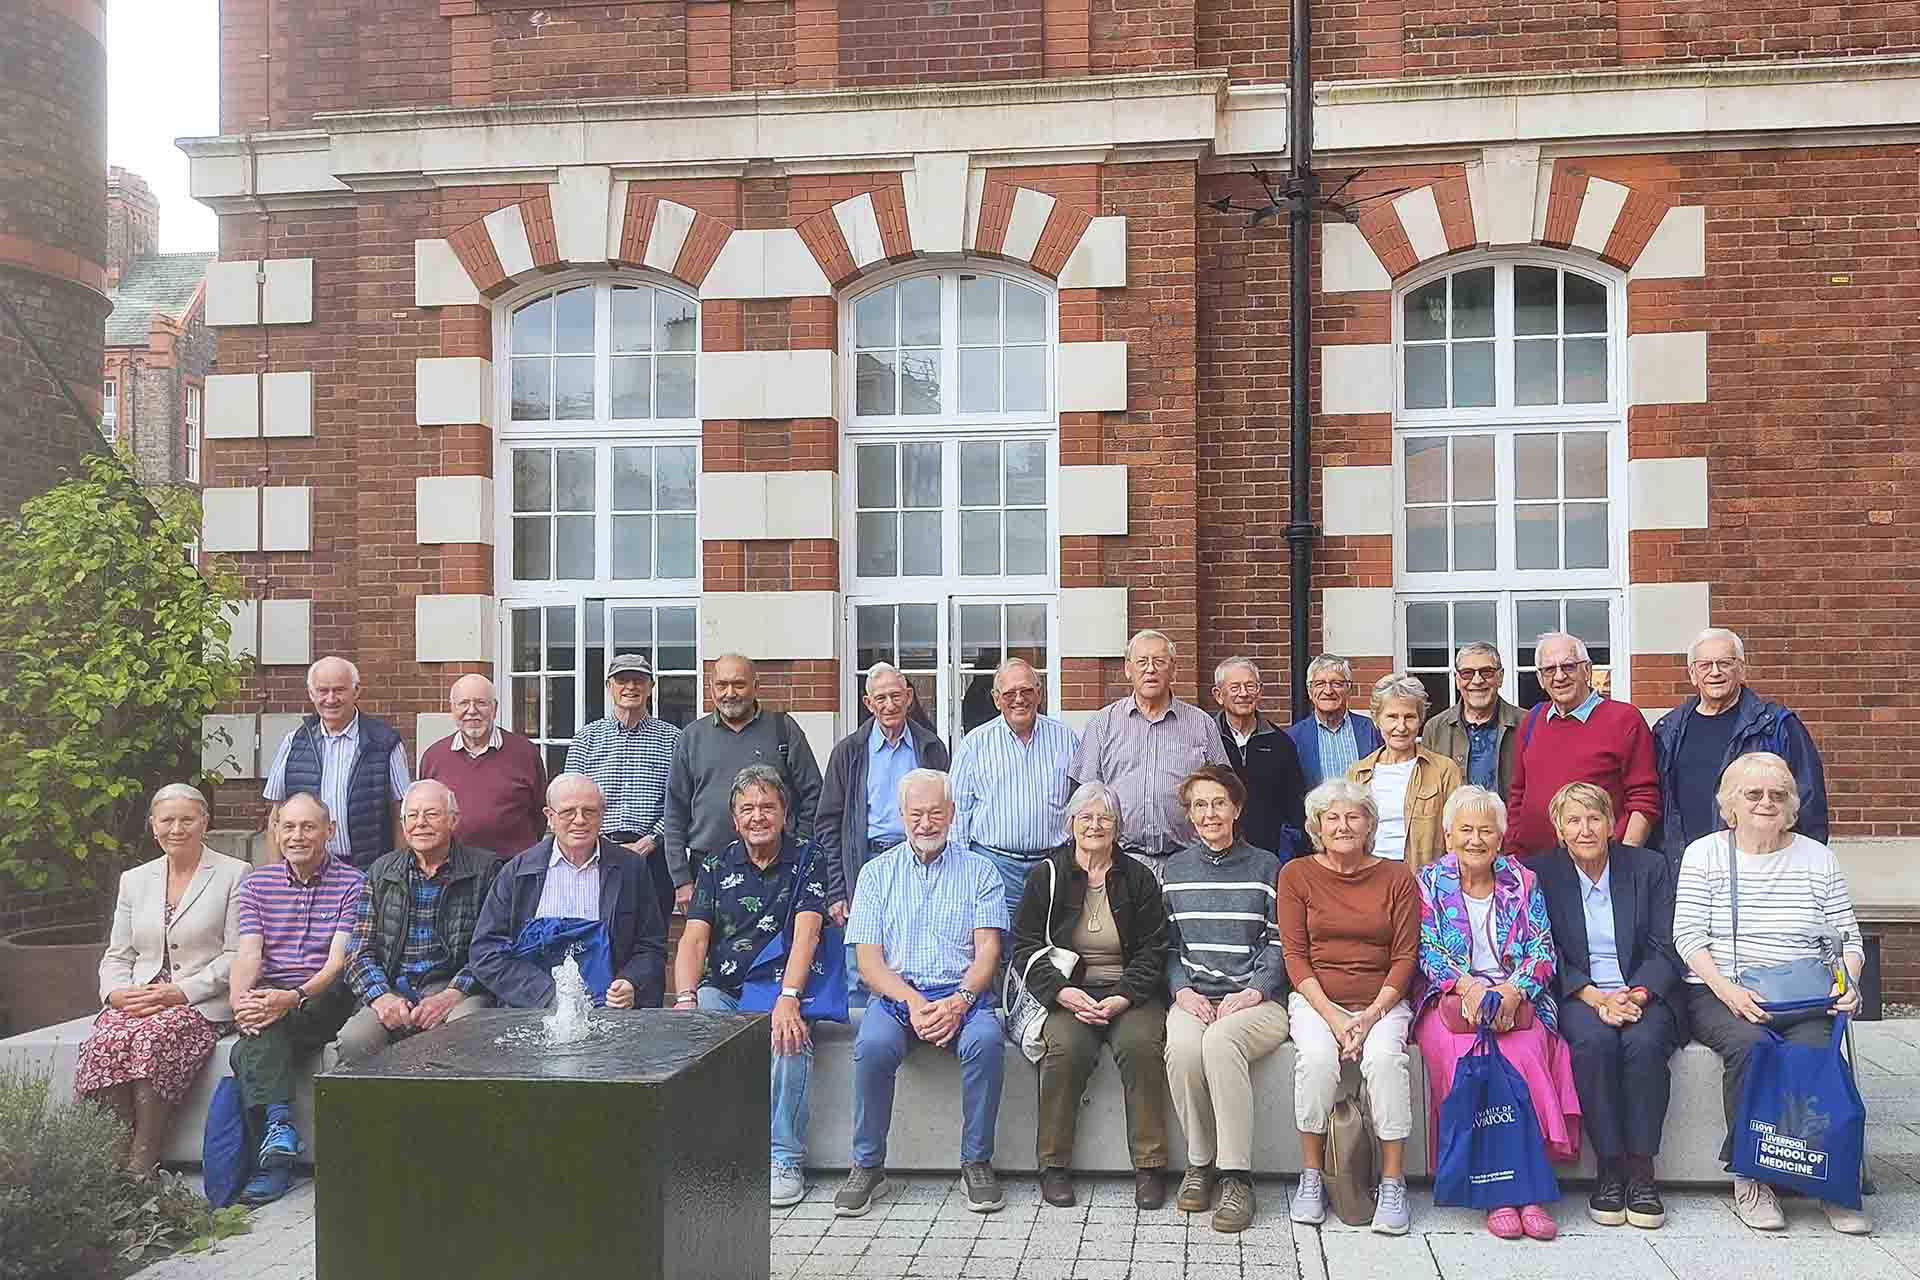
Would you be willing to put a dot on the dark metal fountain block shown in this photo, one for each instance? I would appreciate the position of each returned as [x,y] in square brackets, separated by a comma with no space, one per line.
[474,1151]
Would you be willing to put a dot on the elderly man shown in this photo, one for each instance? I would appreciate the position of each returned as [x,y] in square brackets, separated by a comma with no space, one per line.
[762,883]
[1332,739]
[927,923]
[710,755]
[1477,731]
[356,764]
[1578,736]
[1264,757]
[629,754]
[1143,746]
[497,775]
[858,817]
[1723,721]
[574,874]
[1010,785]
[295,924]
[408,959]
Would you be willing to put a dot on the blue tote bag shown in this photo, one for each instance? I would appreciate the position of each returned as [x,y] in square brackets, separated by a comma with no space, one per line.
[1491,1153]
[825,995]
[228,1145]
[549,940]
[1801,1122]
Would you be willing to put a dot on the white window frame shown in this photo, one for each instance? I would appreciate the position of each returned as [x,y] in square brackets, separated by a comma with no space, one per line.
[190,420]
[1507,637]
[602,583]
[946,643]
[110,408]
[504,666]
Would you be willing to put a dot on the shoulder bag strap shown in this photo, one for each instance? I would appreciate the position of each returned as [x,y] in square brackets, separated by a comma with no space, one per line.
[1053,886]
[1733,896]
[1526,729]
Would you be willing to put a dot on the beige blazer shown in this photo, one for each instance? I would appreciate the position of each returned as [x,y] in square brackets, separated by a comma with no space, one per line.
[1434,779]
[202,941]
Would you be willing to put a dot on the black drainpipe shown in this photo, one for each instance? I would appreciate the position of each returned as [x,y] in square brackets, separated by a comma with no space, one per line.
[1301,189]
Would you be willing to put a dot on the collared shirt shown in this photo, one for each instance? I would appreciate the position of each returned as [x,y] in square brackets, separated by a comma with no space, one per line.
[570,893]
[887,763]
[631,765]
[296,920]
[1012,795]
[922,914]
[1144,761]
[1339,751]
[1483,762]
[492,744]
[424,949]
[337,753]
[745,906]
[1603,949]
[1579,713]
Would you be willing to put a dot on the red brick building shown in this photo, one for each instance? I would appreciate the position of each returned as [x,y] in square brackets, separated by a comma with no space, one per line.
[902,328]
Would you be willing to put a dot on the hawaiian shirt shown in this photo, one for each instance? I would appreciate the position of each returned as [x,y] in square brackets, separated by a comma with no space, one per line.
[746,906]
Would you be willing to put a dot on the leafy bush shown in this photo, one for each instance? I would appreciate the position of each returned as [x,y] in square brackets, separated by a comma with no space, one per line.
[112,648]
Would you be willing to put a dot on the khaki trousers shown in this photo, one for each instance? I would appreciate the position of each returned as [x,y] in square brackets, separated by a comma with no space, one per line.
[365,1035]
[1209,1075]
[1138,1039]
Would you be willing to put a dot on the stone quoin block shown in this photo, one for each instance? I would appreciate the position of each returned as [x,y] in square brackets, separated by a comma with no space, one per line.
[770,624]
[1093,501]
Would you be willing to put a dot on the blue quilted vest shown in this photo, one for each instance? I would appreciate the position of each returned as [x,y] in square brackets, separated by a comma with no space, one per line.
[369,817]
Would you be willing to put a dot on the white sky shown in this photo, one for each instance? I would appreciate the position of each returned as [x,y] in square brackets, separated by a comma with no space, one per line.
[163,82]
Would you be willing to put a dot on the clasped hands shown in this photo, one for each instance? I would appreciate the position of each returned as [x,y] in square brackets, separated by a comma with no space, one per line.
[143,1002]
[937,1021]
[259,1008]
[1095,1013]
[1620,1008]
[397,1013]
[1209,1011]
[1474,990]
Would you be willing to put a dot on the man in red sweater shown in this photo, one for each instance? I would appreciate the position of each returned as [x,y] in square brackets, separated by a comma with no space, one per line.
[1579,736]
[497,775]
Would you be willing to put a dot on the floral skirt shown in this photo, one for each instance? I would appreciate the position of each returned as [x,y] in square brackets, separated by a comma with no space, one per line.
[165,1049]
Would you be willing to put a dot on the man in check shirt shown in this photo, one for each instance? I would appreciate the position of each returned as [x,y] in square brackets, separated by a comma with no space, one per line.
[629,755]
[1010,781]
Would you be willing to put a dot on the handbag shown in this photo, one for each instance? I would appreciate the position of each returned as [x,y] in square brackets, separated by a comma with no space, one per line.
[1491,1153]
[1352,1162]
[1791,991]
[1453,1020]
[1025,1016]
[1801,1123]
[825,995]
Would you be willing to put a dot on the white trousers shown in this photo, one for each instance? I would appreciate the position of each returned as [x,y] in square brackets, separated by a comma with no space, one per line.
[1384,1073]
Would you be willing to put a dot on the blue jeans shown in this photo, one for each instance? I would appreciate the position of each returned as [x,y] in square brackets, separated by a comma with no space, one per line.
[1013,875]
[792,1073]
[877,1054]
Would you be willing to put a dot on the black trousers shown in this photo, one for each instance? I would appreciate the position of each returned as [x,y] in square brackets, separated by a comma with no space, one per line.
[1733,1038]
[1621,1076]
[657,868]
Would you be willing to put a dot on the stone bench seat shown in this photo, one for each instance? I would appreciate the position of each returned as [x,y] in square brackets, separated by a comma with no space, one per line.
[926,1127]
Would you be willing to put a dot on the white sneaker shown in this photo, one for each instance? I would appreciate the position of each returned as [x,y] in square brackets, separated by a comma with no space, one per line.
[1390,1212]
[1848,1222]
[1309,1199]
[1755,1204]
[789,1187]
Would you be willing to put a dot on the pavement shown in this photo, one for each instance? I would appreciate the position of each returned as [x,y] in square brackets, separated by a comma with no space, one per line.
[923,1228]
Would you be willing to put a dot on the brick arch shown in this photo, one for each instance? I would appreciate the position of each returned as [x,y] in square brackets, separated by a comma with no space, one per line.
[654,232]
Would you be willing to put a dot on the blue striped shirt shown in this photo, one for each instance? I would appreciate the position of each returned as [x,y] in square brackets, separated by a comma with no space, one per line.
[338,751]
[922,914]
[1338,750]
[570,893]
[631,766]
[1012,795]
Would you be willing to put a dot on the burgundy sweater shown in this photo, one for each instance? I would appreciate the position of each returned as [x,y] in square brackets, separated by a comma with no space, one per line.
[502,795]
[1613,750]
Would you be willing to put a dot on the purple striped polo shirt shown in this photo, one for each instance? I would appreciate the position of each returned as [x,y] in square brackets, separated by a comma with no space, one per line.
[296,922]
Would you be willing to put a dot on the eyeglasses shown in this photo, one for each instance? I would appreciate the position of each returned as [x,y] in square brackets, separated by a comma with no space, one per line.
[1476,675]
[1561,668]
[1754,795]
[474,704]
[1020,693]
[423,815]
[891,699]
[1715,664]
[1328,686]
[585,813]
[1092,819]
[1152,662]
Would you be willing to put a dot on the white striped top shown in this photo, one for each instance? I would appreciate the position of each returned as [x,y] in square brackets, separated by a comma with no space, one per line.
[1786,900]
[1012,795]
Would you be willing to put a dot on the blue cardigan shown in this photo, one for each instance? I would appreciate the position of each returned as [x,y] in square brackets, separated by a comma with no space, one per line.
[1306,740]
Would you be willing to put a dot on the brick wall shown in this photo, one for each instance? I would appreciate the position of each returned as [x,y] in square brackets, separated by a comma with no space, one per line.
[133,221]
[1899,959]
[918,41]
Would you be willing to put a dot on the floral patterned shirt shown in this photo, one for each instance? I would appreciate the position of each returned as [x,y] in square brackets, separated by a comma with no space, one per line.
[745,906]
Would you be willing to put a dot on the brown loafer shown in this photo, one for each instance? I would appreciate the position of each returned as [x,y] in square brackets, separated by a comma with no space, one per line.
[1056,1188]
[1149,1188]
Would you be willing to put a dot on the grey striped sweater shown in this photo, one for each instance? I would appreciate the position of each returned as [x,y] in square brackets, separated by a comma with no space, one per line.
[1222,931]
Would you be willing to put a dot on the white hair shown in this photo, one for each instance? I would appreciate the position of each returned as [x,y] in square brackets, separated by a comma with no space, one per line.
[1008,665]
[1150,634]
[1545,637]
[565,779]
[178,791]
[1472,797]
[352,670]
[1235,663]
[1718,633]
[453,801]
[879,669]
[1734,779]
[1089,794]
[915,777]
[1341,791]
[1328,661]
[1472,647]
[1398,685]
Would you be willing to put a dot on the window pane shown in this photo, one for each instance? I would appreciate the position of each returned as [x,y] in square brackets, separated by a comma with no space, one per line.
[979,474]
[1427,635]
[1588,619]
[526,705]
[1536,536]
[633,479]
[633,546]
[1533,619]
[1586,535]
[919,631]
[873,476]
[873,319]
[526,640]
[676,550]
[1026,379]
[1027,630]
[673,322]
[1026,314]
[632,319]
[674,467]
[920,381]
[920,530]
[1474,620]
[1473,468]
[561,720]
[1439,687]
[533,328]
[875,552]
[1586,304]
[873,383]
[1026,542]
[1473,303]
[1426,539]
[1536,300]
[1026,473]
[675,398]
[1586,463]
[1472,374]
[532,550]
[573,547]
[573,388]
[678,699]
[632,630]
[920,312]
[1536,466]
[920,468]
[980,380]
[1536,380]
[1426,377]
[560,639]
[1473,537]
[979,633]
[979,542]
[1425,312]
[1586,371]
[531,399]
[1427,469]
[979,309]
[632,387]
[573,321]
[532,480]
[872,634]
[575,487]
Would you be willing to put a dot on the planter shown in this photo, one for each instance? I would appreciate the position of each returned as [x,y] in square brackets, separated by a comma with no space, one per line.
[50,975]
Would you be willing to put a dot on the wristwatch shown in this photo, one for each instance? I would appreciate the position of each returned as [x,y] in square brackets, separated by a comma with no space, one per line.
[971,997]
[300,999]
[789,993]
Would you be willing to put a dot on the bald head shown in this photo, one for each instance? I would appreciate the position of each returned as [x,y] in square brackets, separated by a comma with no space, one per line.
[575,809]
[333,686]
[475,707]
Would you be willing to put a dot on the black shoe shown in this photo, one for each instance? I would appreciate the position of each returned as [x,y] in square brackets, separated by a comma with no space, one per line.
[1608,1203]
[1645,1208]
[1056,1188]
[1149,1188]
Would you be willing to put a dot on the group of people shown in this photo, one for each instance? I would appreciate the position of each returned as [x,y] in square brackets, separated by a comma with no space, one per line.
[1190,889]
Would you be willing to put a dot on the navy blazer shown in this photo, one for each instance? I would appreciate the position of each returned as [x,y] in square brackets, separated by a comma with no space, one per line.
[1642,890]
[636,935]
[1306,740]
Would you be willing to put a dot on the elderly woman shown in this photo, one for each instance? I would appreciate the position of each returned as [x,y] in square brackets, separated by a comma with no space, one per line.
[1484,929]
[1410,783]
[1617,988]
[1350,930]
[1223,963]
[163,978]
[1792,892]
[1109,913]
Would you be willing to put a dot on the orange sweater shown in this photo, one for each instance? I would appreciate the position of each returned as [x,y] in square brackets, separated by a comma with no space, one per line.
[1354,934]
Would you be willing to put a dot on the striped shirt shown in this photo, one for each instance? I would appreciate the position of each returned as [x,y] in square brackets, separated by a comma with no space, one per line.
[421,952]
[1338,750]
[570,893]
[1145,761]
[337,754]
[296,922]
[631,766]
[922,914]
[1223,932]
[1787,899]
[1011,795]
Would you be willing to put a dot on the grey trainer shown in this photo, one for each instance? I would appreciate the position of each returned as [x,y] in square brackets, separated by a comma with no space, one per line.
[1309,1199]
[983,1188]
[789,1188]
[864,1186]
[1390,1213]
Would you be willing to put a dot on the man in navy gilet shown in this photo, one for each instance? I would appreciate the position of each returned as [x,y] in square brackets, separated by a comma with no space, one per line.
[355,763]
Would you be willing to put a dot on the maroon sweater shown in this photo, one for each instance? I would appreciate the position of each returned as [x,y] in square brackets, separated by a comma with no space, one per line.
[503,794]
[1613,750]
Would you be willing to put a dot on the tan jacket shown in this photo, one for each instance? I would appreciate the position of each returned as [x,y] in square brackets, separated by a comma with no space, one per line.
[1434,779]
[202,941]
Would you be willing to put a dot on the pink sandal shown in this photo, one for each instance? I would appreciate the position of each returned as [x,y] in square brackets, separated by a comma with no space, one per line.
[1505,1223]
[1538,1223]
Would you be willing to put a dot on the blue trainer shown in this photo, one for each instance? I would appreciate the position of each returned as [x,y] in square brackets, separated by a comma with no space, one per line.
[267,1185]
[280,1148]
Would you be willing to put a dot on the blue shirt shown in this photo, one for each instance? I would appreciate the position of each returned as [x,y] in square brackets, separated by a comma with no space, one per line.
[1579,713]
[745,906]
[1603,949]
[922,914]
[1338,751]
[1483,763]
[1011,795]
[887,763]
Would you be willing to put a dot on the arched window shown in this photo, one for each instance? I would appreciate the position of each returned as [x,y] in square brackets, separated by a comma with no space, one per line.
[597,550]
[1510,463]
[949,474]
